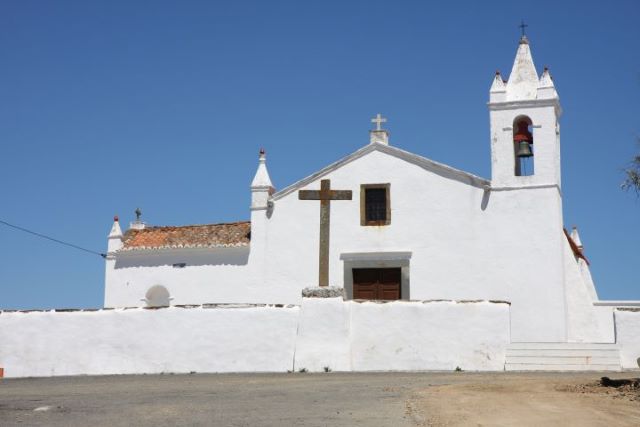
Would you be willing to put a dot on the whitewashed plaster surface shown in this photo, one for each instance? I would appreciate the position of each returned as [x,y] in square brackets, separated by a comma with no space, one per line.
[135,341]
[586,323]
[339,335]
[465,243]
[434,335]
[628,337]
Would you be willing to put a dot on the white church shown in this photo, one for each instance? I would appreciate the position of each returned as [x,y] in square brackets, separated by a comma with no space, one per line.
[383,260]
[409,228]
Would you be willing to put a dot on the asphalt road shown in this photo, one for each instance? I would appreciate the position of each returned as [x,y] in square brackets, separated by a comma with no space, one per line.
[332,399]
[297,399]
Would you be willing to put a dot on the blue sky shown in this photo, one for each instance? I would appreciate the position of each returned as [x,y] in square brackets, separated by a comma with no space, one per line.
[110,105]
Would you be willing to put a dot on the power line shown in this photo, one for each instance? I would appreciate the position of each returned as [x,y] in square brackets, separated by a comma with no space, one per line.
[52,239]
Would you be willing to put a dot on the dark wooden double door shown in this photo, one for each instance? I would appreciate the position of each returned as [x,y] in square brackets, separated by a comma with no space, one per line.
[376,283]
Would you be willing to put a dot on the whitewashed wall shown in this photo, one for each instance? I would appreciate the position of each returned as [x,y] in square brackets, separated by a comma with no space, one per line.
[585,322]
[340,335]
[465,243]
[402,335]
[628,337]
[133,341]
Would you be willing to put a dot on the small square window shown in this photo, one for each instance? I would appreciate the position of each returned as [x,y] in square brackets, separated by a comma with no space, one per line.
[375,204]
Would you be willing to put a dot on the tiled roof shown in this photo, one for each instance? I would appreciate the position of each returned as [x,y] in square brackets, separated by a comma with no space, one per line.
[188,236]
[577,251]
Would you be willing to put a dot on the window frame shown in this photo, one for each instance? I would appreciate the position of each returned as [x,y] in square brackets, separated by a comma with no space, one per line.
[363,204]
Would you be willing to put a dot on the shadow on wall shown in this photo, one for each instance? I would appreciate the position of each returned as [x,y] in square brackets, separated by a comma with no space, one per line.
[180,258]
[485,199]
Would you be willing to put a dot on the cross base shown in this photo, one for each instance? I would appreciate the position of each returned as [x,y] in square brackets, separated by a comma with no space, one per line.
[323,292]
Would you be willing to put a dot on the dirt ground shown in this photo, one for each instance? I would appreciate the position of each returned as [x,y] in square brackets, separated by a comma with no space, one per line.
[527,400]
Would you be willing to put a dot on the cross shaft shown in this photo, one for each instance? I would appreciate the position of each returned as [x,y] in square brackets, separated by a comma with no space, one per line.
[325,195]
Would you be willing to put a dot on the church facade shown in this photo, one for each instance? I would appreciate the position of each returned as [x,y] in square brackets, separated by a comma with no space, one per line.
[384,224]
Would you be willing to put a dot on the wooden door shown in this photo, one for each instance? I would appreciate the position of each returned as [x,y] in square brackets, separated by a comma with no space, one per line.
[376,283]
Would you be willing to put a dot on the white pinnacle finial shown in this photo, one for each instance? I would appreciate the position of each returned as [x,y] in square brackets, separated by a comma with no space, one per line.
[116,231]
[576,237]
[523,80]
[261,187]
[261,178]
[114,241]
[378,120]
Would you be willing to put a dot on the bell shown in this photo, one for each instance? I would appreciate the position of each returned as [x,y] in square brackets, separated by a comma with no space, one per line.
[523,138]
[524,149]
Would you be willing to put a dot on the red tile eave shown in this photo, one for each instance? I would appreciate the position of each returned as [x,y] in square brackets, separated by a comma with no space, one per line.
[207,235]
[576,250]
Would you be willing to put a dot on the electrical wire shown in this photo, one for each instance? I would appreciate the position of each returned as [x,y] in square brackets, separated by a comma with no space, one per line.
[52,239]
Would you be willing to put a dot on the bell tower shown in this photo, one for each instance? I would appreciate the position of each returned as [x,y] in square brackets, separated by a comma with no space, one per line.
[525,132]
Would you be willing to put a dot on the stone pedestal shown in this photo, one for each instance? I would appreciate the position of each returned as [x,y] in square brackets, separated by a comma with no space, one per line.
[323,292]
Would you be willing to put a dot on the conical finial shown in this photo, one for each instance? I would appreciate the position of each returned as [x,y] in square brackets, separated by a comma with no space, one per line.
[261,178]
[523,80]
[116,231]
[575,236]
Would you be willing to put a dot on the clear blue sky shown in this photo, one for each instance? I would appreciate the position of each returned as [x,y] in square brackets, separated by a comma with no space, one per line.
[110,105]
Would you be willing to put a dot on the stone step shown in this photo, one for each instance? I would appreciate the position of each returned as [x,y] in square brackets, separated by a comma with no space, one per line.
[561,345]
[559,360]
[562,357]
[564,353]
[565,367]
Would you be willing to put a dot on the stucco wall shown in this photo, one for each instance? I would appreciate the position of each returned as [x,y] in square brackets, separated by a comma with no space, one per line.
[147,341]
[585,322]
[628,337]
[432,335]
[340,335]
[463,243]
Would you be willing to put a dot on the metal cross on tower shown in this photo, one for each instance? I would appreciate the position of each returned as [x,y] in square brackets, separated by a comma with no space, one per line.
[378,120]
[522,27]
[325,195]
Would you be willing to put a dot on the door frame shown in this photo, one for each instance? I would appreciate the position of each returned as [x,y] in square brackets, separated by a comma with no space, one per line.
[400,260]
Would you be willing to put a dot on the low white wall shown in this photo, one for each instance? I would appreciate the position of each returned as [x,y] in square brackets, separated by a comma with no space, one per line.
[148,341]
[628,337]
[402,335]
[322,333]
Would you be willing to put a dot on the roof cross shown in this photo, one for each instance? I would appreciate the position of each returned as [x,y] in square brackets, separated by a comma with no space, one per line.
[378,120]
[522,27]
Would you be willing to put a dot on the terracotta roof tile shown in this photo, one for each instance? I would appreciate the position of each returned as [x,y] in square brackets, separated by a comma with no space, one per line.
[577,251]
[188,236]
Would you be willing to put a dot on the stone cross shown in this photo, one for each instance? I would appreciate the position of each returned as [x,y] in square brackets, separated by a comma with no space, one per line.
[378,120]
[325,195]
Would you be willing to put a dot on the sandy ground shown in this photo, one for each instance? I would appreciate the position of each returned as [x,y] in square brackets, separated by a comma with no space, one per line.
[527,400]
[331,399]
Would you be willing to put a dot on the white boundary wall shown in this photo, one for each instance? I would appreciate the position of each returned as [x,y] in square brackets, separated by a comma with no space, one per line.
[147,341]
[340,335]
[402,335]
[628,337]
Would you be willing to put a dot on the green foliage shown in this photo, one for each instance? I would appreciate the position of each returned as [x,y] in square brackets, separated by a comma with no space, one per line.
[458,369]
[327,369]
[633,175]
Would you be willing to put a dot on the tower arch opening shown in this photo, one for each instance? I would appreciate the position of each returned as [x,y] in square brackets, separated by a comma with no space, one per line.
[523,146]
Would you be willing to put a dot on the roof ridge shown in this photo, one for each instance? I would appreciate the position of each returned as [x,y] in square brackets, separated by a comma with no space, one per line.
[158,227]
[424,162]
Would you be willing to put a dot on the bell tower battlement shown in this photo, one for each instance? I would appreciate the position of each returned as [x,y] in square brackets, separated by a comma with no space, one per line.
[525,131]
